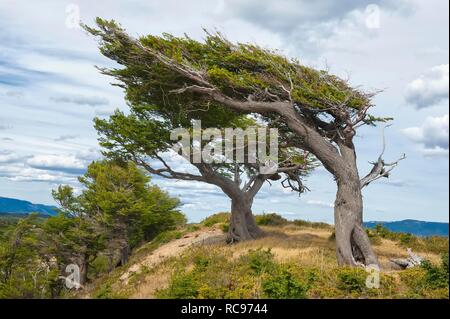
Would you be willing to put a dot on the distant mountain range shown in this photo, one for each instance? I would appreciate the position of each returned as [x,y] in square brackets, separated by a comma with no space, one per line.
[17,207]
[20,207]
[415,227]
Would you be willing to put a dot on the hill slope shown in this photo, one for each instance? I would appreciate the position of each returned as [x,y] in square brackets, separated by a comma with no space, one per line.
[291,261]
[415,227]
[16,206]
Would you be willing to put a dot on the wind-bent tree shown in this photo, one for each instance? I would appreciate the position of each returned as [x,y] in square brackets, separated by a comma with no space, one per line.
[144,136]
[321,111]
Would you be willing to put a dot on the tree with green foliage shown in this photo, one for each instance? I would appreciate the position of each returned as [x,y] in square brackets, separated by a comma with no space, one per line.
[126,206]
[315,110]
[23,274]
[73,236]
[116,210]
[144,136]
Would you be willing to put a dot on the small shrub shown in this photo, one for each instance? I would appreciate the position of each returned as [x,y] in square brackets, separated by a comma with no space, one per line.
[225,227]
[351,279]
[167,236]
[182,286]
[99,265]
[216,219]
[414,279]
[201,261]
[374,237]
[304,223]
[381,231]
[260,260]
[271,220]
[436,276]
[407,239]
[283,285]
[192,228]
[106,291]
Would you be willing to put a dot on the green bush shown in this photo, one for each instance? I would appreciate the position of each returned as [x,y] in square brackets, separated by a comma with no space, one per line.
[436,276]
[225,227]
[427,281]
[260,260]
[351,279]
[182,286]
[216,219]
[167,236]
[271,220]
[375,238]
[304,223]
[284,285]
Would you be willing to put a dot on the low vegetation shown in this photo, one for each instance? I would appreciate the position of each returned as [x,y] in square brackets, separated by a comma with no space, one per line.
[295,259]
[432,244]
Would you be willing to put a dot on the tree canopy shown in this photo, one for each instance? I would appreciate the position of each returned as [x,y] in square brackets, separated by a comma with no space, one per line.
[314,109]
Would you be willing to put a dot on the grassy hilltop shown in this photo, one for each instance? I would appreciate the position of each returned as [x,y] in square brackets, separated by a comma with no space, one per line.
[294,260]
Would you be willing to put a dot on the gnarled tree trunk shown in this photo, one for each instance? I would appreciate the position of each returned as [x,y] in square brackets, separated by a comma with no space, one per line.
[353,246]
[83,264]
[242,222]
[124,254]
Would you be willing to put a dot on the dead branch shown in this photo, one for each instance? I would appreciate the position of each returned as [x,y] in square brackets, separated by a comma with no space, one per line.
[380,169]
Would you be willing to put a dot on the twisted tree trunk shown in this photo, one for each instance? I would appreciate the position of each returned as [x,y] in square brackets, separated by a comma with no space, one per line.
[352,243]
[242,222]
[353,246]
[124,254]
[83,264]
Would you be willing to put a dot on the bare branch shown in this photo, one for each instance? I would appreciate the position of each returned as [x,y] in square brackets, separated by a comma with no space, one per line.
[167,172]
[381,169]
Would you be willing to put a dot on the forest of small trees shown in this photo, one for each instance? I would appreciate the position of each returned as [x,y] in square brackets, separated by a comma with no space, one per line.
[116,211]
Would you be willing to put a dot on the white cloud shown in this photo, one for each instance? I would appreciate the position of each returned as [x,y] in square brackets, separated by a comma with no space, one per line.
[432,134]
[80,99]
[435,152]
[319,203]
[65,137]
[7,156]
[287,15]
[63,163]
[430,88]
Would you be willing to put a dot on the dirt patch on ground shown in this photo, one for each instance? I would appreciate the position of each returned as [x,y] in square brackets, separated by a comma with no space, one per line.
[173,249]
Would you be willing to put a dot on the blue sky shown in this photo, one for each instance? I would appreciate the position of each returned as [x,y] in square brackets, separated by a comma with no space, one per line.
[50,92]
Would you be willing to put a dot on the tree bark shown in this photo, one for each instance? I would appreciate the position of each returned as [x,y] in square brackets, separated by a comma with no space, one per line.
[124,254]
[84,266]
[353,246]
[242,222]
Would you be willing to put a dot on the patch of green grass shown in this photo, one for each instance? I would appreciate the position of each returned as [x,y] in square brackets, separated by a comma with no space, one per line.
[271,220]
[218,218]
[304,223]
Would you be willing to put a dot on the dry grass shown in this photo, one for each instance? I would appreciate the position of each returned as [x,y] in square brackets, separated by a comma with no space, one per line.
[303,246]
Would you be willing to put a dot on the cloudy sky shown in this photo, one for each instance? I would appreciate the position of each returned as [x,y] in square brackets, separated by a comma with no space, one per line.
[50,91]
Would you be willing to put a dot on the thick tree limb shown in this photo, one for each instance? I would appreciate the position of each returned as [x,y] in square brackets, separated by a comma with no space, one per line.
[248,106]
[168,172]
